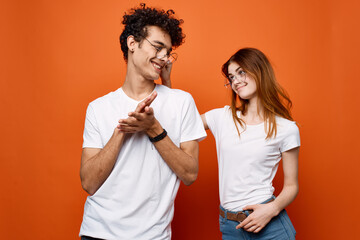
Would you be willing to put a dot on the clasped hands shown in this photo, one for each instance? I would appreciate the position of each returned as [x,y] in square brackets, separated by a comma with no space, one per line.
[142,119]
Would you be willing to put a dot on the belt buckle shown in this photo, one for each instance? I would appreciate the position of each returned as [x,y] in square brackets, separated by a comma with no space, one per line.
[240,218]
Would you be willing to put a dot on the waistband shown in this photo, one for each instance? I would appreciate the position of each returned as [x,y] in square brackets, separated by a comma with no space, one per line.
[241,215]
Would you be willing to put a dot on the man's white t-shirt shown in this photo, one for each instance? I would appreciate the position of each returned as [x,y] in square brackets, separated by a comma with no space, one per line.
[137,199]
[248,164]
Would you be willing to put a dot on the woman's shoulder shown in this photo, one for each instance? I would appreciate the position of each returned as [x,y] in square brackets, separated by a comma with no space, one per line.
[219,110]
[286,125]
[218,117]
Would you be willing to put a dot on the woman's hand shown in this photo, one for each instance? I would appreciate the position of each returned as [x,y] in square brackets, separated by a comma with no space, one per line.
[165,75]
[261,215]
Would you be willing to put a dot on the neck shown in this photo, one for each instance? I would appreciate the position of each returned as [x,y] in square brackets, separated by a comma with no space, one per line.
[254,113]
[136,86]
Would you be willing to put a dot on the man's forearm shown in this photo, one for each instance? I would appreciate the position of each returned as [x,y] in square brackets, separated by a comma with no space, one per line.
[95,169]
[184,163]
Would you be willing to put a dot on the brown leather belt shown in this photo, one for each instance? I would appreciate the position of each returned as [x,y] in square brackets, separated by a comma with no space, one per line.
[237,216]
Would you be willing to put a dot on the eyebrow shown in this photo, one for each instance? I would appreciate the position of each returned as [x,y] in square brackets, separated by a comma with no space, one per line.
[162,44]
[236,70]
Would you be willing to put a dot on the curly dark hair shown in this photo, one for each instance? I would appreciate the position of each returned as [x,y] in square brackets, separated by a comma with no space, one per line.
[138,18]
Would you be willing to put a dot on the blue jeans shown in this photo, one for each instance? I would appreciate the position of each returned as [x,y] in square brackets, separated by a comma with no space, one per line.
[279,228]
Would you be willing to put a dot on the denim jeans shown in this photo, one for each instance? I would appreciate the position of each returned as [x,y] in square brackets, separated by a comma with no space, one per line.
[279,228]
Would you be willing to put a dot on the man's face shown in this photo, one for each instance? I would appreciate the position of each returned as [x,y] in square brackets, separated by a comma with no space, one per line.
[149,57]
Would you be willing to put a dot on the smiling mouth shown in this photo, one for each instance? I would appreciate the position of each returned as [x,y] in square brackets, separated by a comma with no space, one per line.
[239,87]
[157,66]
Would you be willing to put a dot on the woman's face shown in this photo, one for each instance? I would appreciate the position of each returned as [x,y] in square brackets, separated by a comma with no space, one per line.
[241,82]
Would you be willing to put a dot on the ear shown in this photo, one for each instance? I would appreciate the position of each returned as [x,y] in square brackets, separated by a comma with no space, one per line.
[131,43]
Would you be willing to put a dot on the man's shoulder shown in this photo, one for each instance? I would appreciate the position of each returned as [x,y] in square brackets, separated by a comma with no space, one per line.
[111,96]
[173,93]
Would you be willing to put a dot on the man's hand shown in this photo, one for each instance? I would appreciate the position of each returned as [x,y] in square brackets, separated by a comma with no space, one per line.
[141,119]
[141,106]
[165,75]
[258,219]
[138,122]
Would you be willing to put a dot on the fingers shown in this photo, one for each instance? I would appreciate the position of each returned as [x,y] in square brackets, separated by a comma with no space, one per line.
[130,122]
[151,98]
[168,66]
[128,125]
[249,207]
[140,116]
[251,228]
[243,223]
[137,122]
[127,129]
[258,229]
[247,225]
[135,115]
[141,106]
[238,226]
[149,110]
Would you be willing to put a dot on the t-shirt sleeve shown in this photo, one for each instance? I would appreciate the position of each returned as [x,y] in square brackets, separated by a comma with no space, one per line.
[291,139]
[192,127]
[92,137]
[212,119]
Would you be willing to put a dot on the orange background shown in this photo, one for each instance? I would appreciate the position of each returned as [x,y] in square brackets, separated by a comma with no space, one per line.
[57,56]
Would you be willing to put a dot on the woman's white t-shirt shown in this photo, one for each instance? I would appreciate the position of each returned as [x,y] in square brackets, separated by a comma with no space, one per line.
[248,164]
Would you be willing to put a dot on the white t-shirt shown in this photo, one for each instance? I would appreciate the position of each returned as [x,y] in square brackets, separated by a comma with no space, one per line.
[137,199]
[248,164]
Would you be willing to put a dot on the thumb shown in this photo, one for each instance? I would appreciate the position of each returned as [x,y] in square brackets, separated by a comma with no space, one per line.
[149,110]
[249,207]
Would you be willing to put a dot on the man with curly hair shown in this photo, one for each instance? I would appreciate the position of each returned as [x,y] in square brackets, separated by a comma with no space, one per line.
[130,165]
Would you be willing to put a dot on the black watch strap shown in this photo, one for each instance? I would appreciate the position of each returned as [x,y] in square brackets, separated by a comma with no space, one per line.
[159,137]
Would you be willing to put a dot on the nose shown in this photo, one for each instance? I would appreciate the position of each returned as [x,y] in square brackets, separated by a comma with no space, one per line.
[238,79]
[161,57]
[162,54]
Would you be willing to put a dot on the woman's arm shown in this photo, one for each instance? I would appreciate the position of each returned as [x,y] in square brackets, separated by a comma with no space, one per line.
[263,213]
[166,81]
[165,75]
[203,118]
[291,186]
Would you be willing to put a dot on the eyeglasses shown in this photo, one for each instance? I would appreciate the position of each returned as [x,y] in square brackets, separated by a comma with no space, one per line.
[171,57]
[240,76]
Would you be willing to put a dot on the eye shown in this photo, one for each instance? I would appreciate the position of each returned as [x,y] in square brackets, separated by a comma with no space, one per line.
[242,72]
[231,78]
[158,49]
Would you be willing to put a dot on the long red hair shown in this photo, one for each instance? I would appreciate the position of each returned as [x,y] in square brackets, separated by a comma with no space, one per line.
[271,95]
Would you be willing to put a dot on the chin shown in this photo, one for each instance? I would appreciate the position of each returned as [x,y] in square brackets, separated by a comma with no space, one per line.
[153,77]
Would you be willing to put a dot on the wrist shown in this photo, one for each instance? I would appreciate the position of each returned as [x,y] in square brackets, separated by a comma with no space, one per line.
[118,133]
[166,82]
[159,137]
[275,209]
[154,130]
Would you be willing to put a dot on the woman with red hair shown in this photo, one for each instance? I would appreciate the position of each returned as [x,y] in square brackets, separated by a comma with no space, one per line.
[252,136]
